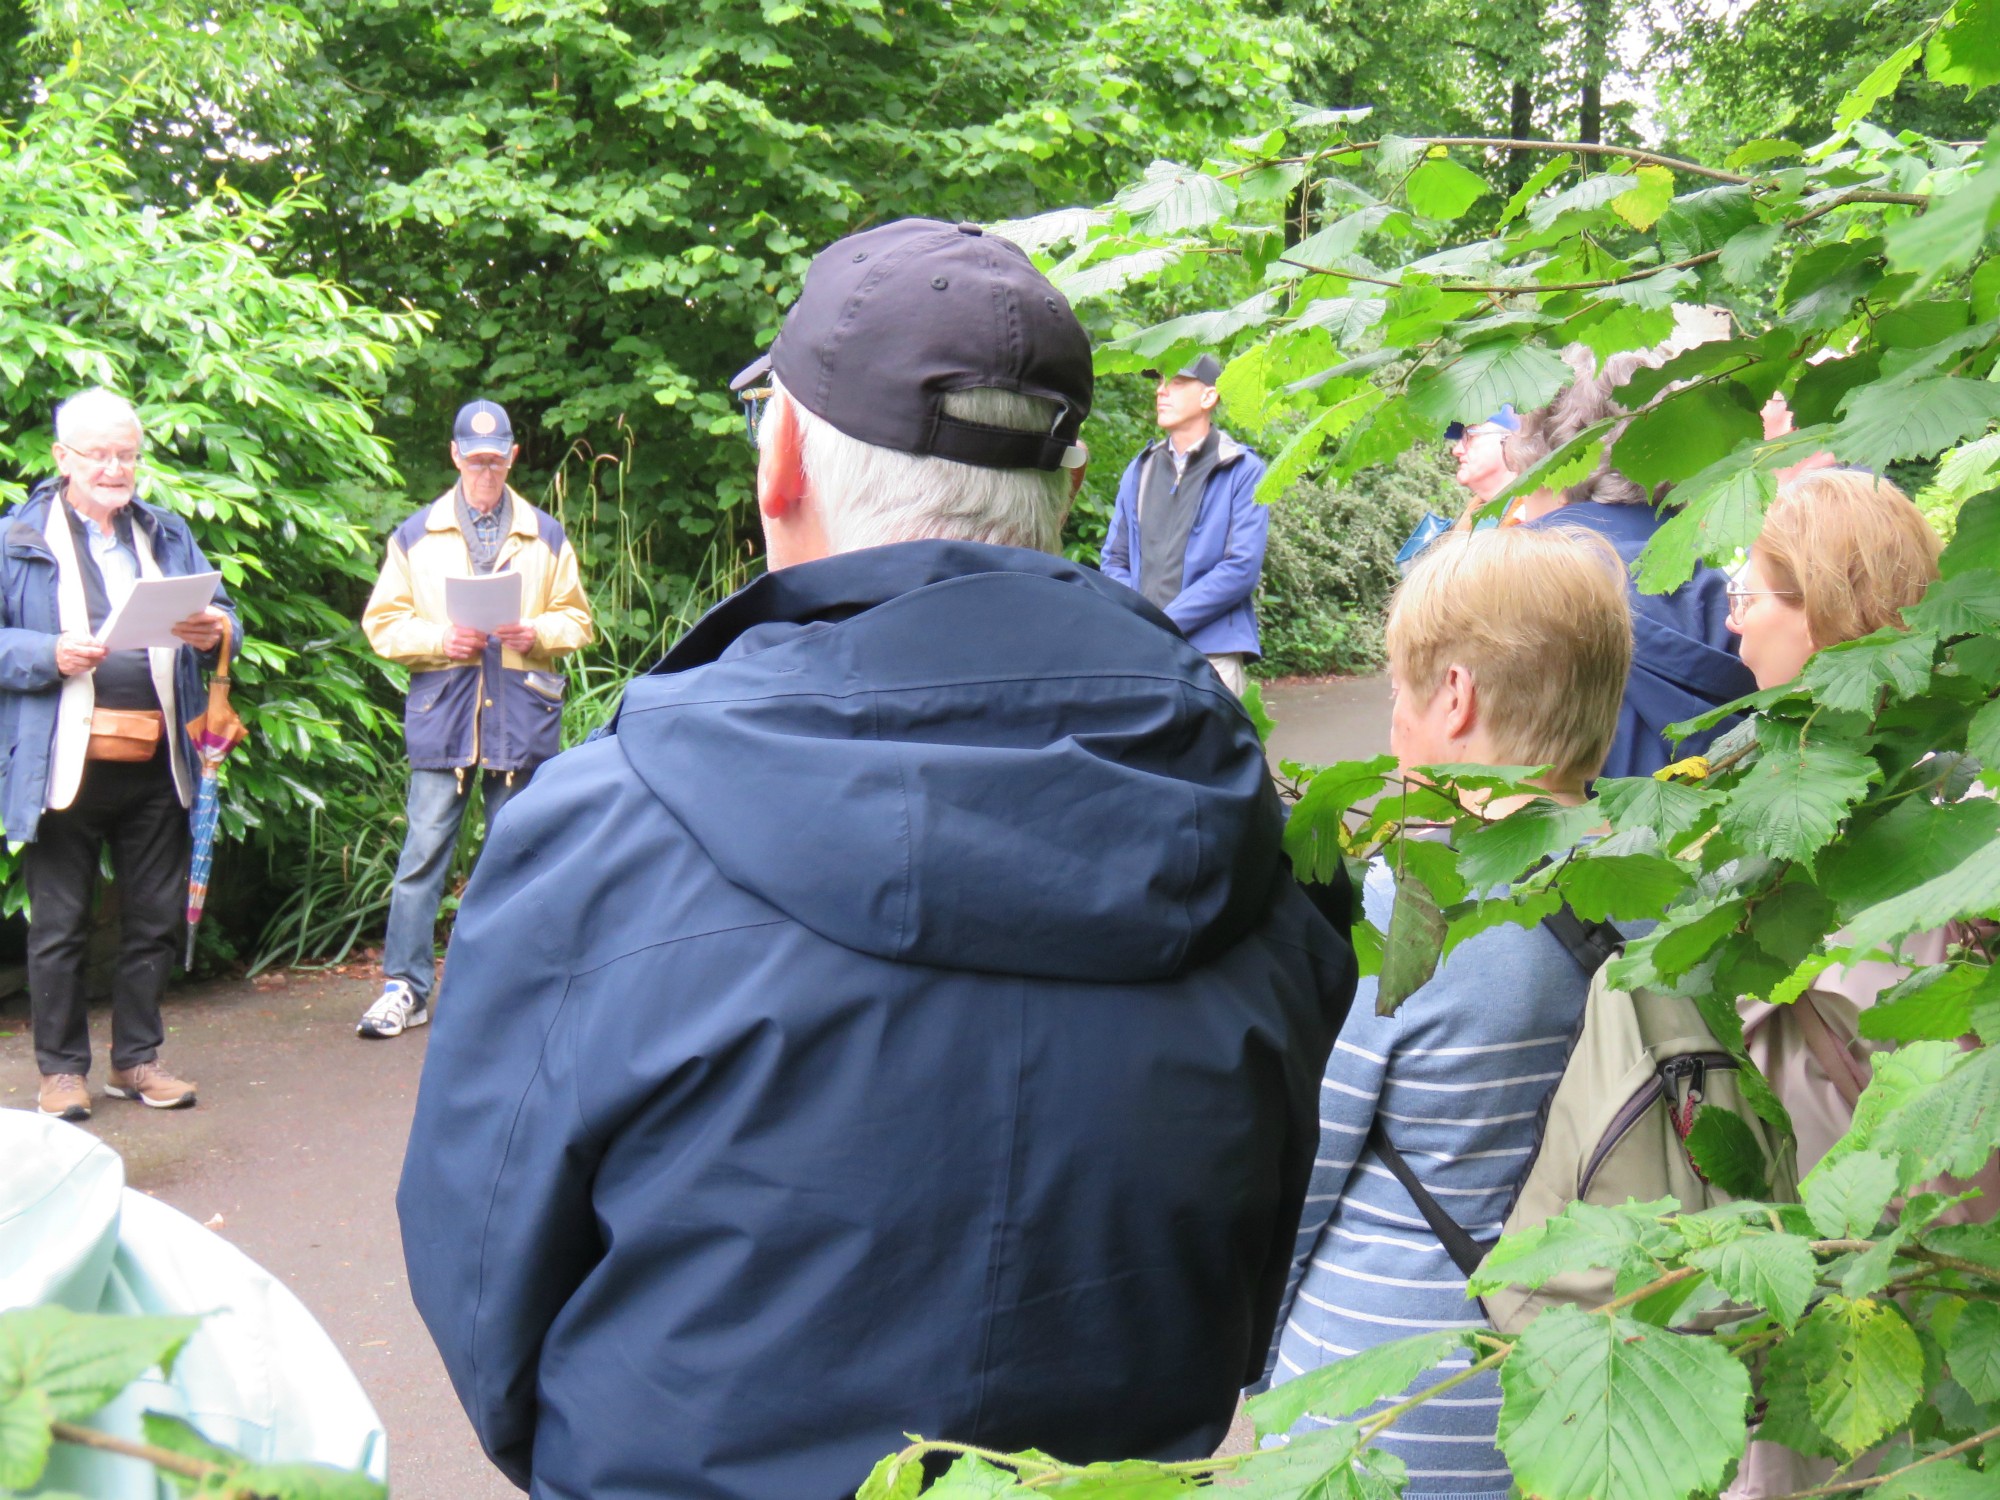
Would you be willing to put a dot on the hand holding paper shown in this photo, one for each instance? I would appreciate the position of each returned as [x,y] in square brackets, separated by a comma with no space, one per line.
[484,603]
[154,607]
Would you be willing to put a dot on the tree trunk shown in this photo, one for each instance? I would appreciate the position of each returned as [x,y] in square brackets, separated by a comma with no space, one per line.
[1590,120]
[1520,127]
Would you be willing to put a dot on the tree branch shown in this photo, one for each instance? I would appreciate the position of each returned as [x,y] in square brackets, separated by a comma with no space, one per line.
[159,1458]
[1851,1485]
[1537,288]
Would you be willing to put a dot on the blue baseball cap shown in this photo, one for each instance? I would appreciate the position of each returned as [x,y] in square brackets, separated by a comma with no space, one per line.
[1502,418]
[482,427]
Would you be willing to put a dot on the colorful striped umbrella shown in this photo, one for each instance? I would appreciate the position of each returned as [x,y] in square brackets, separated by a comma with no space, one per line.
[215,733]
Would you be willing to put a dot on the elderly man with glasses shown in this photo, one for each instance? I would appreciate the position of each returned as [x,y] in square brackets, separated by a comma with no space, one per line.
[97,751]
[485,705]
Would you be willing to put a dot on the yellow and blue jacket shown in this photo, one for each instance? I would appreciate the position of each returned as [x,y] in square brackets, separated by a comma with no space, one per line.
[503,710]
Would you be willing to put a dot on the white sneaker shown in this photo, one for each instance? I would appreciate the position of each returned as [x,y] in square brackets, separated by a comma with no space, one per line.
[394,1012]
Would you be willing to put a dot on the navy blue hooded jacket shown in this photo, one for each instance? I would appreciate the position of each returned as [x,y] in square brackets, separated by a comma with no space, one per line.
[1684,658]
[904,1022]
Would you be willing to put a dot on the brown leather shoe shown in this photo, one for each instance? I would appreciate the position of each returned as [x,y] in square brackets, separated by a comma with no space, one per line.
[65,1096]
[152,1085]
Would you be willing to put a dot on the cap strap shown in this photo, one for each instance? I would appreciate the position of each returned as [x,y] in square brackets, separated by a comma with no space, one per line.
[996,447]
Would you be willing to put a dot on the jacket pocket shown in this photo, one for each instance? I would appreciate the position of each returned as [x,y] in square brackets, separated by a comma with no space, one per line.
[547,686]
[438,717]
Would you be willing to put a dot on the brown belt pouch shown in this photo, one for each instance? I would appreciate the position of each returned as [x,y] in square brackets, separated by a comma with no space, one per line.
[124,734]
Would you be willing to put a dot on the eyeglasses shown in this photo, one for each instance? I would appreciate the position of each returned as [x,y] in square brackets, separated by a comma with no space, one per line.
[488,465]
[753,410]
[1740,597]
[108,458]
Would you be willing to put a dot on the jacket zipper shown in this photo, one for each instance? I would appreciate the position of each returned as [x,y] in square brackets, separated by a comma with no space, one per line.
[1694,1065]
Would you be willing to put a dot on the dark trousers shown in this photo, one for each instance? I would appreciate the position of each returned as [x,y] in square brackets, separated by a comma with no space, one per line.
[135,809]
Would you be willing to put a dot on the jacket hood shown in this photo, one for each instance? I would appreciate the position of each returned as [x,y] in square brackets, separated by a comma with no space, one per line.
[965,756]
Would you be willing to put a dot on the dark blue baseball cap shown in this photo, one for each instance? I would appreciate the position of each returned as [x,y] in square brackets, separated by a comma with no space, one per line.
[1502,418]
[482,427]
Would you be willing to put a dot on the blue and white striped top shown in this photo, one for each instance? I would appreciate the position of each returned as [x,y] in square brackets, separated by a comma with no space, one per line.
[1457,1076]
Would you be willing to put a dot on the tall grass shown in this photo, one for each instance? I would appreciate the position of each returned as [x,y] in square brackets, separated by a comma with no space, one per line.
[337,889]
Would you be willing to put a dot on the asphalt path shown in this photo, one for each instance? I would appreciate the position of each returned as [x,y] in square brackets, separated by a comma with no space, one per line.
[294,1151]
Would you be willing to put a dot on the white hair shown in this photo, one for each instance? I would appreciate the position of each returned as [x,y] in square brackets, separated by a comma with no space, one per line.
[869,496]
[94,410]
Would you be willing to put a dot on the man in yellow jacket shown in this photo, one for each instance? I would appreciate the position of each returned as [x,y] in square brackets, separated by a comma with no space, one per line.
[485,706]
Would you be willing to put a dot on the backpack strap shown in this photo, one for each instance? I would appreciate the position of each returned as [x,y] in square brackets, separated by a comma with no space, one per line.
[1591,944]
[1466,1252]
[1834,1060]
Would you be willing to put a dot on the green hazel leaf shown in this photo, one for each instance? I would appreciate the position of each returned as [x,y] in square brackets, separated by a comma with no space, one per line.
[1856,674]
[1886,422]
[1569,464]
[1176,200]
[1345,319]
[1867,1273]
[1824,283]
[1791,920]
[1933,1004]
[1435,864]
[1772,1271]
[1370,948]
[1850,1376]
[306,1482]
[1966,604]
[1260,716]
[1583,1237]
[1499,851]
[1918,325]
[1352,1384]
[1524,908]
[897,1477]
[1668,808]
[1727,1154]
[1872,90]
[1304,448]
[970,1477]
[1744,256]
[1972,889]
[1415,942]
[1722,511]
[1599,888]
[1442,189]
[1955,1126]
[1846,1198]
[25,1416]
[1686,433]
[1533,188]
[1818,392]
[1970,470]
[177,1435]
[1985,290]
[1950,234]
[1312,832]
[1756,153]
[1598,1408]
[1913,842]
[1643,205]
[1314,1465]
[1973,1348]
[1484,379]
[1699,222]
[82,1360]
[1329,246]
[1791,803]
[1950,1480]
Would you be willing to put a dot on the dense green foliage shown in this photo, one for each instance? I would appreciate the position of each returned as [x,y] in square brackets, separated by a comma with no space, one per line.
[57,1368]
[1845,815]
[1331,563]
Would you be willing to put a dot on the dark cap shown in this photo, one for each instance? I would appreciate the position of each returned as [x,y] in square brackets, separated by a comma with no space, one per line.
[482,427]
[892,319]
[1206,368]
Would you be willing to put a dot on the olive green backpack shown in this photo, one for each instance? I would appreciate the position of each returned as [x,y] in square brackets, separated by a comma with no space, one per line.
[1642,1066]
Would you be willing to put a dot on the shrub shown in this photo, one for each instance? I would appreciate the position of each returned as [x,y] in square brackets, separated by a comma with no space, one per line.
[1331,564]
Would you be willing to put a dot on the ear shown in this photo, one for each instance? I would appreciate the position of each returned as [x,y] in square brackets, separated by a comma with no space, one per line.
[1461,703]
[455,456]
[1076,474]
[781,473]
[513,455]
[1209,396]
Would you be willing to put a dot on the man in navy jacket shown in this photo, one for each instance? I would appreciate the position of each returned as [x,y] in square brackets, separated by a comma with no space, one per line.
[903,1020]
[1187,531]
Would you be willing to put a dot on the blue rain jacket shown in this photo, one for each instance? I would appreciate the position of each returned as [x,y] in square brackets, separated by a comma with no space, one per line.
[1684,659]
[904,1021]
[31,685]
[1216,608]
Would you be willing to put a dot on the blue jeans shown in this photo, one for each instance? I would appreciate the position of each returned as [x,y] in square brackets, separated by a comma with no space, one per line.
[436,808]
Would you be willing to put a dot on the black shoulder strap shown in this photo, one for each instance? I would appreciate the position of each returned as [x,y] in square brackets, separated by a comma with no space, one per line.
[1591,944]
[1465,1251]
